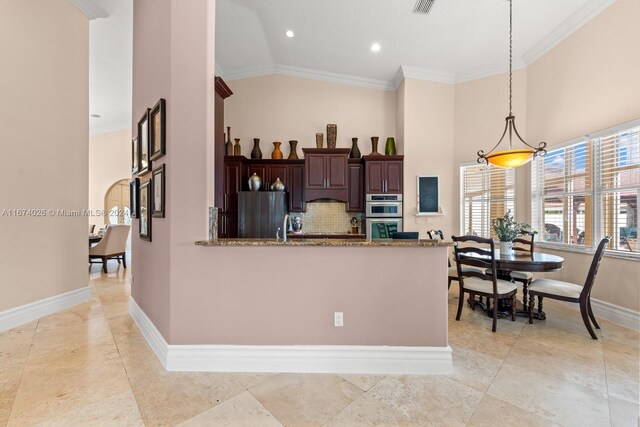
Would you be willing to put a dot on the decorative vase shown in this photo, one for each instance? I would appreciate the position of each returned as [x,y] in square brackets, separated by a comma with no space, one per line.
[255,182]
[297,225]
[355,151]
[229,144]
[213,223]
[276,154]
[319,140]
[293,155]
[256,153]
[374,146]
[506,248]
[390,147]
[237,150]
[277,185]
[332,135]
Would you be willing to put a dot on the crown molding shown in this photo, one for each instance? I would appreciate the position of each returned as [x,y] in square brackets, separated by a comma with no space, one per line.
[116,127]
[489,70]
[310,74]
[566,28]
[219,71]
[89,9]
[436,76]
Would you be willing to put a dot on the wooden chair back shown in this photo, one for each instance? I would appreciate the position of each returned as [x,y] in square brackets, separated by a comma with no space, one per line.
[486,261]
[524,245]
[435,235]
[593,270]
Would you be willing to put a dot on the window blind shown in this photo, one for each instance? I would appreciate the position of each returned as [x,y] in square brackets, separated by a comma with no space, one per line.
[487,192]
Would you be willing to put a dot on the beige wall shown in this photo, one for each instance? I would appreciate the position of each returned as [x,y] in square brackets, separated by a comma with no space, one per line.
[282,108]
[589,82]
[44,129]
[428,128]
[109,162]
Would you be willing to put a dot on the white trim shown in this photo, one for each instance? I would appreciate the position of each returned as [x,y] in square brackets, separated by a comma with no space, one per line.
[611,312]
[489,71]
[293,358]
[565,29]
[436,76]
[116,127]
[14,317]
[89,9]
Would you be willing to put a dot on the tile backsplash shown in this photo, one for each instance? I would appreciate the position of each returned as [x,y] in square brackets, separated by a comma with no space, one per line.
[327,217]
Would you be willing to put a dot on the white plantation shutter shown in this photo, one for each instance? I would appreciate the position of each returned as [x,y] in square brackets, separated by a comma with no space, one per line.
[486,192]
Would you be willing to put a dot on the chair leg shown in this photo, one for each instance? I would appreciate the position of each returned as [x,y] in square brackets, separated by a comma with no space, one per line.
[460,303]
[513,307]
[472,301]
[584,309]
[495,314]
[539,304]
[104,264]
[525,286]
[591,316]
[531,304]
[124,261]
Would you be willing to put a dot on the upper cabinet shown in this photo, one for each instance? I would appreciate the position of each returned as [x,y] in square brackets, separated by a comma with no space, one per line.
[383,174]
[326,173]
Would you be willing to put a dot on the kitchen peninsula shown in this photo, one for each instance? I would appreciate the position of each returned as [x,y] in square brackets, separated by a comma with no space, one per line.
[270,306]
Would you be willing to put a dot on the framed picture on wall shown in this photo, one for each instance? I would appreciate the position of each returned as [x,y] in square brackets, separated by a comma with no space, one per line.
[429,195]
[157,138]
[143,135]
[144,212]
[135,155]
[134,200]
[158,192]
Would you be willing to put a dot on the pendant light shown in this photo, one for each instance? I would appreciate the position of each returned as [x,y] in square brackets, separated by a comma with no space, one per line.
[513,157]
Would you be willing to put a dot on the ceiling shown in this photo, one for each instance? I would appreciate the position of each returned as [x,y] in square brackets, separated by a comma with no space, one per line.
[458,40]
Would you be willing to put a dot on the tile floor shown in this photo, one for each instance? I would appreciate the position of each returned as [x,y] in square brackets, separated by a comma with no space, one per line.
[90,365]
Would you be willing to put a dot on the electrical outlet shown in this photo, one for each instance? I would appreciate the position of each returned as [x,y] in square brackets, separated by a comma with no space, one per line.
[338,319]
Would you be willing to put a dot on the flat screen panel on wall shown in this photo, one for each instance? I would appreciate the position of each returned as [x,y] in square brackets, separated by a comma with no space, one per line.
[429,195]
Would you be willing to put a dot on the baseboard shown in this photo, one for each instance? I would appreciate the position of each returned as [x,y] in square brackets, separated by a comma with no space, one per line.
[14,317]
[615,313]
[339,359]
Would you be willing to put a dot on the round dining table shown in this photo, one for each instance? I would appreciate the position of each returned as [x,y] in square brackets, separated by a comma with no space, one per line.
[536,262]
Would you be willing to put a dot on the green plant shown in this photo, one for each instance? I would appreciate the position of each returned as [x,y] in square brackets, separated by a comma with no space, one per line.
[507,229]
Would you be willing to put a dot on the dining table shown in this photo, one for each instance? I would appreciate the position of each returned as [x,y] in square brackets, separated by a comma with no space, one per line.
[535,262]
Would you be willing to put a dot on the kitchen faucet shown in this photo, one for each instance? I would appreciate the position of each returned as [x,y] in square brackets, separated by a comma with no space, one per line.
[286,225]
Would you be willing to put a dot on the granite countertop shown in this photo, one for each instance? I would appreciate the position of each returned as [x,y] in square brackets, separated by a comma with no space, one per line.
[324,242]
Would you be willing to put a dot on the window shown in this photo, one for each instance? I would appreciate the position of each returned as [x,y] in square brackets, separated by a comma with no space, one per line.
[487,192]
[587,189]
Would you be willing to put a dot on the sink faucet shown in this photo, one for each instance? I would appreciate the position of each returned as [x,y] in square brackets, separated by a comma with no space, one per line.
[286,225]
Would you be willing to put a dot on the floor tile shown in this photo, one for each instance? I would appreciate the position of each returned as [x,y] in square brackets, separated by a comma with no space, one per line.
[369,411]
[473,368]
[494,412]
[241,411]
[624,413]
[622,365]
[305,399]
[363,382]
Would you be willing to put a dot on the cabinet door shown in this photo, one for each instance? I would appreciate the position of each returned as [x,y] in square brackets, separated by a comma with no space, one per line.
[232,184]
[336,173]
[374,175]
[356,196]
[261,171]
[393,176]
[296,188]
[315,171]
[279,171]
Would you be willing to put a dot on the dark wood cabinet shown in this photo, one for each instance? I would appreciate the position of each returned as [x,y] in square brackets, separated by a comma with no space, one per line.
[296,188]
[232,183]
[383,174]
[326,175]
[356,186]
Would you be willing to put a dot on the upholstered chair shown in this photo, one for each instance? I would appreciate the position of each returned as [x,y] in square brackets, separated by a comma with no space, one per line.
[111,246]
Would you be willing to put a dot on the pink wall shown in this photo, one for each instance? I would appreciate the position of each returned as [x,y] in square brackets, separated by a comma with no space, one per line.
[44,144]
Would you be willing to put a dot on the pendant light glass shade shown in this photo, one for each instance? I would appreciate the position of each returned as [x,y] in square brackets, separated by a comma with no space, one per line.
[513,157]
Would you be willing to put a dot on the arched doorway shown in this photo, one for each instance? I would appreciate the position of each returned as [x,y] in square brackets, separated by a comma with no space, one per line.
[116,203]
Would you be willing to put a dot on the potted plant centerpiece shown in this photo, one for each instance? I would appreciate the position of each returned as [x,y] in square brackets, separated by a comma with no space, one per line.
[507,230]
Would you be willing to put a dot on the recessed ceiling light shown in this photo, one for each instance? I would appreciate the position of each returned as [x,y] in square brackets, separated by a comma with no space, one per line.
[289,34]
[375,47]
[96,116]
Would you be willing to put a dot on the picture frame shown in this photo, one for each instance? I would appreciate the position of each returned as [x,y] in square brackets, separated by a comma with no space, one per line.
[158,178]
[157,130]
[135,155]
[428,200]
[134,199]
[144,213]
[144,161]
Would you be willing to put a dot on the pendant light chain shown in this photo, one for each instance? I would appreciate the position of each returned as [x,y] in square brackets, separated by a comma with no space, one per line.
[510,54]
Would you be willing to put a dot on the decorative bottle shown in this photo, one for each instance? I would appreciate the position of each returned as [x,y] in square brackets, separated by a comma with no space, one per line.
[276,154]
[229,144]
[293,155]
[374,146]
[256,153]
[255,182]
[237,150]
[355,151]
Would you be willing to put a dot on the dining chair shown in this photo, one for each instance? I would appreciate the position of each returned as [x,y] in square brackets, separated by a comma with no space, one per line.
[570,292]
[480,282]
[452,271]
[111,246]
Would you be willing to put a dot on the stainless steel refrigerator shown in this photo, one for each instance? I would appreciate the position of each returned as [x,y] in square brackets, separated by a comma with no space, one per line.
[260,213]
